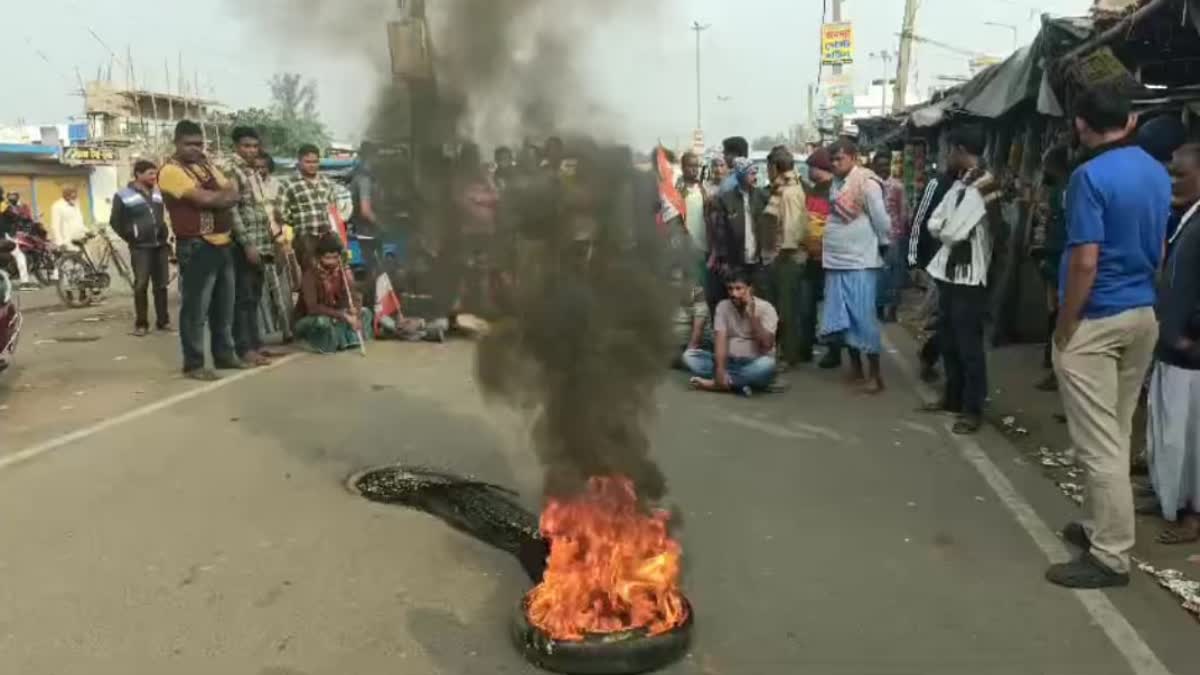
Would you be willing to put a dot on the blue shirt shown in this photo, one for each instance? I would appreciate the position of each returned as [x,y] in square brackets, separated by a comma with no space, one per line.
[1120,200]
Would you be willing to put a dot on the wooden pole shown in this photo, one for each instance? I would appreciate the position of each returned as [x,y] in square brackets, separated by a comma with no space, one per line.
[904,63]
[167,88]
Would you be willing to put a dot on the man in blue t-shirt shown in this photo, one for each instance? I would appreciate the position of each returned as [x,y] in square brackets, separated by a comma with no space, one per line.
[1117,206]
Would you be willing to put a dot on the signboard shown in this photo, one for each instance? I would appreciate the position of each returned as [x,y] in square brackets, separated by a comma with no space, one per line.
[82,154]
[837,44]
[1102,67]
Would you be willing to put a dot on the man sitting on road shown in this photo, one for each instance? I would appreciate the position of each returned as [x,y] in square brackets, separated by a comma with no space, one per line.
[744,330]
[328,318]
[692,324]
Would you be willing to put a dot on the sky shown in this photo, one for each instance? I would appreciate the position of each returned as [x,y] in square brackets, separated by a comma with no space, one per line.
[757,59]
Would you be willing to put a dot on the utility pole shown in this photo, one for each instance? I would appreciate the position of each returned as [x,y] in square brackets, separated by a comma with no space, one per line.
[699,28]
[904,63]
[837,18]
[886,57]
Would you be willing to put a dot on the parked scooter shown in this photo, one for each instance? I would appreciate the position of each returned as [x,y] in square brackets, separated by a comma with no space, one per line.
[10,311]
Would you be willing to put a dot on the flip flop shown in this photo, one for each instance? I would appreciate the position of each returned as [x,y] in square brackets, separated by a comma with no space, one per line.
[1180,534]
[967,426]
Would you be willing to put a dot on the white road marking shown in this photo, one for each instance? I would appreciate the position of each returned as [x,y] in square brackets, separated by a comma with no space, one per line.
[768,428]
[10,460]
[919,428]
[1104,613]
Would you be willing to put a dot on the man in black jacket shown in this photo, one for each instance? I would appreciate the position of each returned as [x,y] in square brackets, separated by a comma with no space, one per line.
[137,217]
[739,237]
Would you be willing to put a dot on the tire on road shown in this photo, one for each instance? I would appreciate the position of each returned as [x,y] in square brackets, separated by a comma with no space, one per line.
[620,654]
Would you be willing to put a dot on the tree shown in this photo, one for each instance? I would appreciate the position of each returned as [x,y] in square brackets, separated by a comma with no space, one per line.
[292,119]
[766,143]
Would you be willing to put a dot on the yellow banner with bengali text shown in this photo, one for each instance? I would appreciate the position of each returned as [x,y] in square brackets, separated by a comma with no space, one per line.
[837,44]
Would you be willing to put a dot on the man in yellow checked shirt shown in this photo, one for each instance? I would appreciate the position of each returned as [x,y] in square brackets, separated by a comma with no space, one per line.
[200,201]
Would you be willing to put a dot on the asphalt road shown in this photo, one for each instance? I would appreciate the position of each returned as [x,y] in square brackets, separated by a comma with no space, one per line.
[823,533]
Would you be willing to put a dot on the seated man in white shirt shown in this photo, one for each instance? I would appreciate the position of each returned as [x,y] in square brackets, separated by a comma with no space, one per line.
[744,328]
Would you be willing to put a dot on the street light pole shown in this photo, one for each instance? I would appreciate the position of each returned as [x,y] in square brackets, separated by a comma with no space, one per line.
[699,28]
[1016,32]
[886,57]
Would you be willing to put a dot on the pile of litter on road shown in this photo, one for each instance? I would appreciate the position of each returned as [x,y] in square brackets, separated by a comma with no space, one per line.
[1180,586]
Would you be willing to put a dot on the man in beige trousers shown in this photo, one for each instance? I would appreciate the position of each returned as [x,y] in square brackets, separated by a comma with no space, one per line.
[1117,205]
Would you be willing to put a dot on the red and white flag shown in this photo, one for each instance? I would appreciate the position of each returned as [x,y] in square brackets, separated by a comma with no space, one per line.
[387,302]
[338,225]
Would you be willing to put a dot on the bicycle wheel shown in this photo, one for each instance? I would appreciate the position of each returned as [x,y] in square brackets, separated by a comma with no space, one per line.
[42,269]
[72,287]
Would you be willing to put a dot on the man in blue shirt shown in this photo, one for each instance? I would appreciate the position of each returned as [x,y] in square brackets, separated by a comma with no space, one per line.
[1117,206]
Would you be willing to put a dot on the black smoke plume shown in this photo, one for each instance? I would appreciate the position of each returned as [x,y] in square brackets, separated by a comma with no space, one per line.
[585,336]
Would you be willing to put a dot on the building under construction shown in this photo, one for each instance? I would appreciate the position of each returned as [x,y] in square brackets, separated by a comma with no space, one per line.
[121,117]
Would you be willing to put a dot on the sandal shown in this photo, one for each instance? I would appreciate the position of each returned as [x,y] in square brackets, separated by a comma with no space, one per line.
[1187,532]
[967,426]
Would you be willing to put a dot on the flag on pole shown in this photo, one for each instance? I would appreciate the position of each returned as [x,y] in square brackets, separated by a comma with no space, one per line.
[671,204]
[338,225]
[387,301]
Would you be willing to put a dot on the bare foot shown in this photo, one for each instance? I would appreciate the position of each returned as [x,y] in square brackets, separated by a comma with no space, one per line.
[701,384]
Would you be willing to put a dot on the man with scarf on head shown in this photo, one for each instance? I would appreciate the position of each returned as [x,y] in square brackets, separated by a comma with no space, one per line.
[735,147]
[857,234]
[964,224]
[1117,205]
[738,237]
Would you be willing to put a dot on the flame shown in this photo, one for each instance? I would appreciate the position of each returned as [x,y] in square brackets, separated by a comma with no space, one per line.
[612,568]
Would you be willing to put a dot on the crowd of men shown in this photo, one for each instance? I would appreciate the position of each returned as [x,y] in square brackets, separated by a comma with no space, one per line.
[1117,215]
[765,276]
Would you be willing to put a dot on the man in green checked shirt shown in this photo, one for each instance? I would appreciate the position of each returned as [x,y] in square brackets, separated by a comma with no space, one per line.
[256,235]
[305,202]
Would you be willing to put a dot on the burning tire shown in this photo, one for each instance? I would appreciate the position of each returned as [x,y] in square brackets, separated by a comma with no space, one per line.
[615,654]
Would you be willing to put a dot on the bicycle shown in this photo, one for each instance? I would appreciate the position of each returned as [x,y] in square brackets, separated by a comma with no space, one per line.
[82,278]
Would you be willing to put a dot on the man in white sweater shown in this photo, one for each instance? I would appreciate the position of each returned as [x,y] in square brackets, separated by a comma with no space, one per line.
[66,220]
[962,223]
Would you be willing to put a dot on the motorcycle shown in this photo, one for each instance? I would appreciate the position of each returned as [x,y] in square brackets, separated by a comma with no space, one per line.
[40,255]
[10,311]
